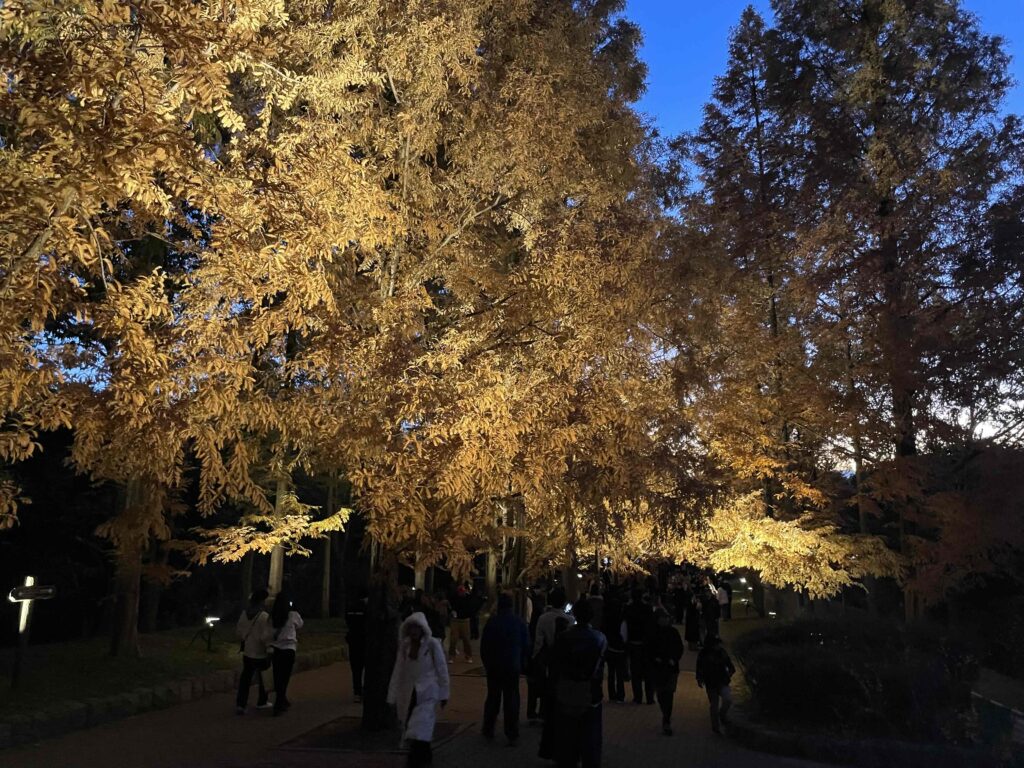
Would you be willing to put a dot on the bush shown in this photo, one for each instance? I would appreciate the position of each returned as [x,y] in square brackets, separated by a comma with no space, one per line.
[863,677]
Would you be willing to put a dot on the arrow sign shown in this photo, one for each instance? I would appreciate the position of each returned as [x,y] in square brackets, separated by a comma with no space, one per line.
[22,594]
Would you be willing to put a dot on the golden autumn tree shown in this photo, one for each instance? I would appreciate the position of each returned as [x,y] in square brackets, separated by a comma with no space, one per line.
[98,159]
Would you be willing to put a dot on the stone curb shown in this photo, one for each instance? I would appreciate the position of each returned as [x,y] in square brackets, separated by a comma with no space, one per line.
[869,753]
[63,717]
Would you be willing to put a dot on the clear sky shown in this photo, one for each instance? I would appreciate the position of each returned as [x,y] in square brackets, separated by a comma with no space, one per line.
[686,44]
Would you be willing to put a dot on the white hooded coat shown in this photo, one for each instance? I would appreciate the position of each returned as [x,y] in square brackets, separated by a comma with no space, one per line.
[427,675]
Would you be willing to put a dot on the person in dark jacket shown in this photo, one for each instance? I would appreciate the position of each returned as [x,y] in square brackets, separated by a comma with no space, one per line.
[664,650]
[534,672]
[710,609]
[505,651]
[691,630]
[639,623]
[615,656]
[714,671]
[596,601]
[355,636]
[576,672]
[463,607]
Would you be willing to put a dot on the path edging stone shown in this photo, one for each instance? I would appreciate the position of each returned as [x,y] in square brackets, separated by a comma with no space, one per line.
[66,716]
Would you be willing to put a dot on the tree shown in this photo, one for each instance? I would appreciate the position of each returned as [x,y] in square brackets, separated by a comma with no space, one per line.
[896,109]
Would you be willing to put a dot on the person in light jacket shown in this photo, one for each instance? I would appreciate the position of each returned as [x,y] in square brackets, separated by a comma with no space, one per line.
[285,642]
[254,631]
[419,682]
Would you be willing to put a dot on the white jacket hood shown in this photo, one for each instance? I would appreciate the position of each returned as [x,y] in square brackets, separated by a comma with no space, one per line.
[421,620]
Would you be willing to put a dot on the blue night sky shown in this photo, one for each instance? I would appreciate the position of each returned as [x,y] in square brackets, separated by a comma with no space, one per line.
[686,43]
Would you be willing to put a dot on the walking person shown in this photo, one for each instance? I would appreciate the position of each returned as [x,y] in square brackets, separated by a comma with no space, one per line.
[254,631]
[355,636]
[534,672]
[615,654]
[551,623]
[576,671]
[637,625]
[710,610]
[285,641]
[462,611]
[664,650]
[419,684]
[714,671]
[596,601]
[691,628]
[724,599]
[504,650]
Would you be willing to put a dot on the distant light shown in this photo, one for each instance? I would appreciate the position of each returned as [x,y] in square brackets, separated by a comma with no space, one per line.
[579,575]
[750,589]
[211,620]
[771,614]
[743,579]
[568,608]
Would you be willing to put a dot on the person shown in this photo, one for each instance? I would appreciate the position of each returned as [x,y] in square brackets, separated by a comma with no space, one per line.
[443,606]
[714,671]
[553,622]
[710,610]
[664,650]
[615,654]
[691,629]
[504,650]
[638,623]
[422,603]
[462,610]
[576,673]
[355,636]
[476,602]
[285,642]
[727,608]
[724,608]
[596,601]
[534,676]
[254,631]
[419,683]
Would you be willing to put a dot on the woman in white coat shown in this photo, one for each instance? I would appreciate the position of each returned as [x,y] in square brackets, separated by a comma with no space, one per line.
[419,682]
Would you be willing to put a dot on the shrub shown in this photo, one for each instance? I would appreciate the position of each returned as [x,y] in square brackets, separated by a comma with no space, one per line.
[862,676]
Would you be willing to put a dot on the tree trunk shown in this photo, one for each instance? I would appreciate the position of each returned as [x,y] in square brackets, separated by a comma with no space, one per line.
[277,554]
[382,640]
[491,577]
[152,590]
[128,579]
[341,565]
[328,548]
[419,576]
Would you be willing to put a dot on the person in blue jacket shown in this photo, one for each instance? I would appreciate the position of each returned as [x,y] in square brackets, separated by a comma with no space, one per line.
[505,650]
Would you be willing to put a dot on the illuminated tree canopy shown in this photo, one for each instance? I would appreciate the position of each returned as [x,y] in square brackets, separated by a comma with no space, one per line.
[434,248]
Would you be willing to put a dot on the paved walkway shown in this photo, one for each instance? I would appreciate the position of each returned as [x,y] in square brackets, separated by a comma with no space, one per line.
[208,734]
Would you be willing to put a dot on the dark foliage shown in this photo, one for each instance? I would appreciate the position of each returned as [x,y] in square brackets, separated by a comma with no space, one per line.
[861,676]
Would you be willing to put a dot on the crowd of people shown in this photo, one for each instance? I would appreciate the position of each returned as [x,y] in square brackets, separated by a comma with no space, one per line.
[625,632]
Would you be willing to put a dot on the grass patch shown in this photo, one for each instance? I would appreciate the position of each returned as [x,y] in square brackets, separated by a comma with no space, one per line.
[84,669]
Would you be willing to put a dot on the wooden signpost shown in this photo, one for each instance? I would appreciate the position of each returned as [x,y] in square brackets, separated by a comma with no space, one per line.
[26,595]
